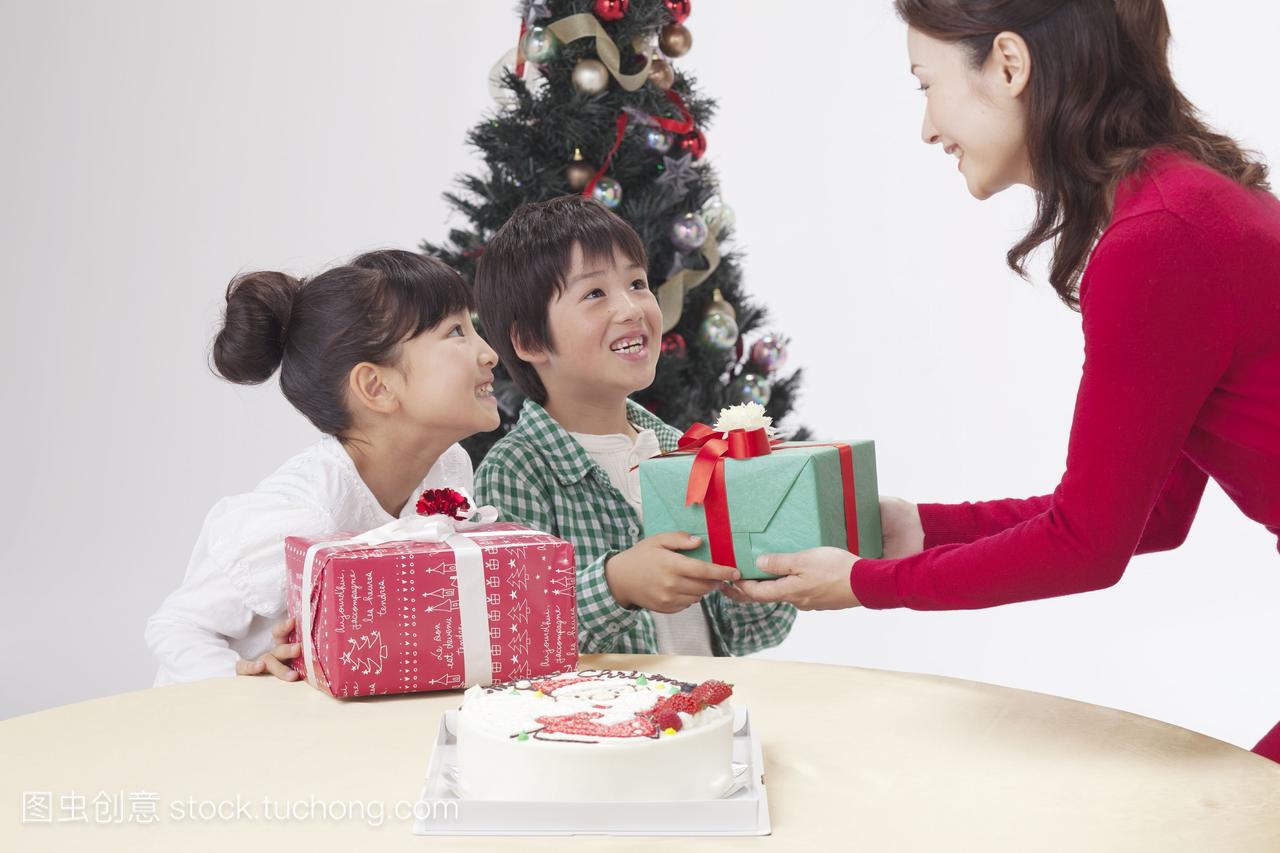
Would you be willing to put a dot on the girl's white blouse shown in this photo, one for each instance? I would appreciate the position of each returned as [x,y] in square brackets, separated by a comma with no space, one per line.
[234,588]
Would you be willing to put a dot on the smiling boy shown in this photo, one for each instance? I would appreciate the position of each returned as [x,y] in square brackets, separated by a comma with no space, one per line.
[564,298]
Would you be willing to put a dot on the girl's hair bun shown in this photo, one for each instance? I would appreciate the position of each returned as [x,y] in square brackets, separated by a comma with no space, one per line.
[250,345]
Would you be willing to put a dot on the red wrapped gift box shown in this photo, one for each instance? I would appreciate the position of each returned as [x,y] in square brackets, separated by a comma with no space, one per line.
[456,604]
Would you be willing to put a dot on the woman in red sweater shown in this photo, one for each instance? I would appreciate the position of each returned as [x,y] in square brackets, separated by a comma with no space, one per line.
[1165,238]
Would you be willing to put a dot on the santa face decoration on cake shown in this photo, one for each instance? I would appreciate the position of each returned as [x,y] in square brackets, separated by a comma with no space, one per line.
[595,706]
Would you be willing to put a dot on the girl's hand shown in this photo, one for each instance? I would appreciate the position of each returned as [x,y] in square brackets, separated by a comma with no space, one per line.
[901,528]
[817,579]
[272,662]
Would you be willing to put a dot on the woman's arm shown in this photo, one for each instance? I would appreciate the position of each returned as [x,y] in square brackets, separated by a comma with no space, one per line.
[1175,509]
[1159,333]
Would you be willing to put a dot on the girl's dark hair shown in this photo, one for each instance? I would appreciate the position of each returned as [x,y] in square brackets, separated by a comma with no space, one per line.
[317,330]
[524,267]
[1100,97]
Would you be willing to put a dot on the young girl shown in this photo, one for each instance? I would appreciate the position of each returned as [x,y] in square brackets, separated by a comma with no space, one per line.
[381,356]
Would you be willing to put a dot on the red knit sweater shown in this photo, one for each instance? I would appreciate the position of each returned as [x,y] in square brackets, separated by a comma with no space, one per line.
[1181,311]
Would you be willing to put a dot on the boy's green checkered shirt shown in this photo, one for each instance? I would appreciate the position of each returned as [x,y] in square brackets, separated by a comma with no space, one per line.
[540,476]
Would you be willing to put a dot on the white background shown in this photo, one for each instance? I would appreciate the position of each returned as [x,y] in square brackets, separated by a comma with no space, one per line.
[152,149]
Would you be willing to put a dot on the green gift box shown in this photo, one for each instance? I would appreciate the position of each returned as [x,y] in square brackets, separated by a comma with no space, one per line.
[790,499]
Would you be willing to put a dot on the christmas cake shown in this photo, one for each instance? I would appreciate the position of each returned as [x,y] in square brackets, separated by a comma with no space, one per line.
[596,735]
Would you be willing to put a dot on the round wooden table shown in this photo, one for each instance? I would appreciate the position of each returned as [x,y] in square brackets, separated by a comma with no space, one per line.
[854,758]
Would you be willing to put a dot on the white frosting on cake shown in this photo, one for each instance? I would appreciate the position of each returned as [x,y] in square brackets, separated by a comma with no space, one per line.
[590,736]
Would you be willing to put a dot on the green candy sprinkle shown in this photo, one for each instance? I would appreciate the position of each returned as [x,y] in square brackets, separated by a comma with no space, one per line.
[642,681]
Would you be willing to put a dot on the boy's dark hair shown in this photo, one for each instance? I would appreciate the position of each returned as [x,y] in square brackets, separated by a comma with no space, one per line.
[317,330]
[524,267]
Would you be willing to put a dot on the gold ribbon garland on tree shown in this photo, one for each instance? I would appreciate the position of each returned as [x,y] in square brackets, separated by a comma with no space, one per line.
[586,25]
[671,293]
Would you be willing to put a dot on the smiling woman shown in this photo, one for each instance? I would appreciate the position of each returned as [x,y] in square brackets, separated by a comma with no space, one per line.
[1100,96]
[1166,239]
[976,114]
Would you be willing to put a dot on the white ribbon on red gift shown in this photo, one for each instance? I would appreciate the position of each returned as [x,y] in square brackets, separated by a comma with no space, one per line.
[473,614]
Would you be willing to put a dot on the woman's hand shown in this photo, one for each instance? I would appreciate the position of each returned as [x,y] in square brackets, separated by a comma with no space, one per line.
[817,579]
[273,661]
[900,526]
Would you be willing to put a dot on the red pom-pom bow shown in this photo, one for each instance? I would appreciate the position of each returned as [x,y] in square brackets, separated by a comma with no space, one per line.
[444,502]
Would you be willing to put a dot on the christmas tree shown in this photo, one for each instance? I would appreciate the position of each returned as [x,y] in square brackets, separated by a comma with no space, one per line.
[590,101]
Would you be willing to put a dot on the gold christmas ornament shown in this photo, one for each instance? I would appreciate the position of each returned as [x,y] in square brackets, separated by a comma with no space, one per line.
[590,76]
[579,172]
[661,74]
[675,40]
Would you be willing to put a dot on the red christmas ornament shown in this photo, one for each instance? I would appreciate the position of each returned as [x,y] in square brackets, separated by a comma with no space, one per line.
[444,502]
[693,142]
[673,345]
[612,10]
[677,9]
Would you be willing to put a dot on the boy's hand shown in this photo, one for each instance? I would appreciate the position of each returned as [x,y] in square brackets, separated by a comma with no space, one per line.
[272,661]
[653,575]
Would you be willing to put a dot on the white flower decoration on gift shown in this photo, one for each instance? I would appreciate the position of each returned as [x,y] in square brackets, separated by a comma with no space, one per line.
[745,416]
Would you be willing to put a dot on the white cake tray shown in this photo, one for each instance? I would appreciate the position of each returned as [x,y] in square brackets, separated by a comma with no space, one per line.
[743,810]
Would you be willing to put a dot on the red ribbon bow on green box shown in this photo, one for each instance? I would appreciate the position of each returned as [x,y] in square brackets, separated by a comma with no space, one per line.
[707,486]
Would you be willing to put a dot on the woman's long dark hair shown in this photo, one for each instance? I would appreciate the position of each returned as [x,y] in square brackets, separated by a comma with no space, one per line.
[1101,96]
